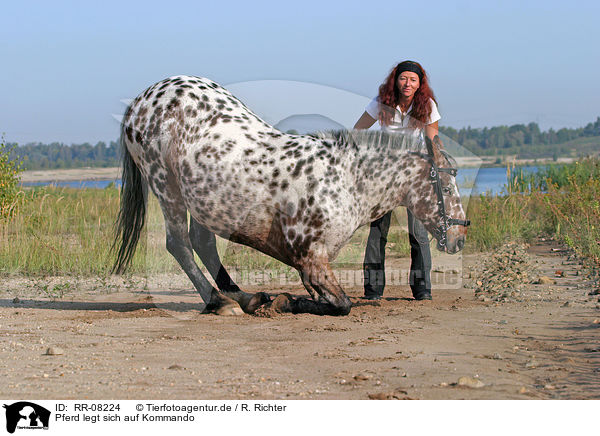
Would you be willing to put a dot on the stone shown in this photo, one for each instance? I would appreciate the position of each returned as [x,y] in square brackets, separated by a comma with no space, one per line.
[470,382]
[175,367]
[361,377]
[379,396]
[398,394]
[544,280]
[54,351]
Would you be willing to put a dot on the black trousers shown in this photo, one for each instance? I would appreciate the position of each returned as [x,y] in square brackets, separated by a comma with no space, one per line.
[420,255]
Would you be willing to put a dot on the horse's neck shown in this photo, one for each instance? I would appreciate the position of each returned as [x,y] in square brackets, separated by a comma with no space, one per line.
[383,181]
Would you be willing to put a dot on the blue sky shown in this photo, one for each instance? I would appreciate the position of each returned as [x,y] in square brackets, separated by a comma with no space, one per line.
[67,66]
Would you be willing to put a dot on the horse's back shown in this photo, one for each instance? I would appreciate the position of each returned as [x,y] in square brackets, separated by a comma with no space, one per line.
[196,143]
[200,147]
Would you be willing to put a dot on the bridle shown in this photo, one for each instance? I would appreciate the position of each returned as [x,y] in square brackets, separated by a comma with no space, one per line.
[434,177]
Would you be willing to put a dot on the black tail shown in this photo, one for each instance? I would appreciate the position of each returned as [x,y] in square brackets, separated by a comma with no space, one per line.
[132,213]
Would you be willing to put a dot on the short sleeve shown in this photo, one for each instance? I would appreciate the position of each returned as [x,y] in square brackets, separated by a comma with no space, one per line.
[435,114]
[373,108]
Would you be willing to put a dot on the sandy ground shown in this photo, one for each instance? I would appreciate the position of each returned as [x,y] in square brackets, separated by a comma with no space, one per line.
[120,345]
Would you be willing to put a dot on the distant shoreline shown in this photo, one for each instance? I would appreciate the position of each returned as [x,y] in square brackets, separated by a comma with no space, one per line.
[114,173]
[490,162]
[73,174]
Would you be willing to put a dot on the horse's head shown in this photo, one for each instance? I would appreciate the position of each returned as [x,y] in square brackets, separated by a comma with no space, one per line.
[435,199]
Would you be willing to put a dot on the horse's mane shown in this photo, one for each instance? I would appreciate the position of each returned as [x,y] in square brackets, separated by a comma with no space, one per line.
[372,139]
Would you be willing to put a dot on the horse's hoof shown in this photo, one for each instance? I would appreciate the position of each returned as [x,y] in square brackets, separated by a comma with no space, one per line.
[229,310]
[256,301]
[282,303]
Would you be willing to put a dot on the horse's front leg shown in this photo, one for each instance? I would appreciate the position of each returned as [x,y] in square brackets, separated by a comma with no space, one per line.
[318,277]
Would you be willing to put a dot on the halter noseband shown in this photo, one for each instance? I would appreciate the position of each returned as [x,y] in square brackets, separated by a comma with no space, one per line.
[434,176]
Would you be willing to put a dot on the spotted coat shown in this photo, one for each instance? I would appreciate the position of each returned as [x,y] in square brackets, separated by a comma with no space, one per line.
[297,198]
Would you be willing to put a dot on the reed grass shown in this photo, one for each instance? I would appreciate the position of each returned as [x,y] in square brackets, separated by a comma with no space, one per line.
[558,201]
[68,231]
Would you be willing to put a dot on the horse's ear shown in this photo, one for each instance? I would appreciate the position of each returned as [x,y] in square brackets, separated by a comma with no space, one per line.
[440,149]
[433,149]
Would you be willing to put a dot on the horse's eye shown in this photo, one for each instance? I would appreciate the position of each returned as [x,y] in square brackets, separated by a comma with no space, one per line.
[447,190]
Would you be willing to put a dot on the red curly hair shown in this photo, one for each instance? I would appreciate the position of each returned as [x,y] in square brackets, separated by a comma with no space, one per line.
[389,98]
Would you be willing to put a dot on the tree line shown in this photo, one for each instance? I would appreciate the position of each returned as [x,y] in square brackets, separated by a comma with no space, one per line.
[58,155]
[521,139]
[527,141]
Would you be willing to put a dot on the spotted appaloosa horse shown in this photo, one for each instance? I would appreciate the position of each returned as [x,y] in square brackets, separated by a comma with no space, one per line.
[296,198]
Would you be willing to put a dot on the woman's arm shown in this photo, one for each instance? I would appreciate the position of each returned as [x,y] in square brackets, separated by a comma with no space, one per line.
[431,130]
[366,121]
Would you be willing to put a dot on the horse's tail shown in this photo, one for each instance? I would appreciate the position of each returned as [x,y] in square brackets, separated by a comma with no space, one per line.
[132,213]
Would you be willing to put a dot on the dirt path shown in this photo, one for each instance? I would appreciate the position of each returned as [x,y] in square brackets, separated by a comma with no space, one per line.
[119,345]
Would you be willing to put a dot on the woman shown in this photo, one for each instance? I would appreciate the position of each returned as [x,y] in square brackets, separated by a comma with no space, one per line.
[405,104]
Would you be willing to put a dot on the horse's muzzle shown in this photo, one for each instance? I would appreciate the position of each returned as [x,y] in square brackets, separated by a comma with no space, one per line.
[454,245]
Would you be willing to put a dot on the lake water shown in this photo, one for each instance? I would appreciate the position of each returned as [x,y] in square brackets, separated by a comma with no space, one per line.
[487,180]
[472,181]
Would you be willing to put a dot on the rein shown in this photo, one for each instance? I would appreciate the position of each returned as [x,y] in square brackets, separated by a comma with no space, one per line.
[434,176]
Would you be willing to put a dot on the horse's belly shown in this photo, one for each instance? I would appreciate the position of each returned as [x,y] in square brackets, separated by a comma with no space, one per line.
[240,216]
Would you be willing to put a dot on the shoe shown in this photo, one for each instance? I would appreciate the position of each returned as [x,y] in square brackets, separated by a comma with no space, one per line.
[424,294]
[372,297]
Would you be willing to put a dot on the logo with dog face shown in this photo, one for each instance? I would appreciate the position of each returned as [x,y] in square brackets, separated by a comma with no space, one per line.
[26,415]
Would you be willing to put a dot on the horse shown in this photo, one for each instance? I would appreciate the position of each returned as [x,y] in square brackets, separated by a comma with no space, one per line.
[296,198]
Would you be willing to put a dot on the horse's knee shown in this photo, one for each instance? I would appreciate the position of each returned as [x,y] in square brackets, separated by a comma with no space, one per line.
[343,309]
[341,306]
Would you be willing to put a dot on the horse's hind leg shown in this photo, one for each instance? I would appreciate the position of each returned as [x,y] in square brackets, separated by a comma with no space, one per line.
[204,243]
[178,244]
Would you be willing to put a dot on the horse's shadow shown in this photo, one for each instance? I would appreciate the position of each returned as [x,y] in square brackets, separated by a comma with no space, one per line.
[124,307]
[360,302]
[93,306]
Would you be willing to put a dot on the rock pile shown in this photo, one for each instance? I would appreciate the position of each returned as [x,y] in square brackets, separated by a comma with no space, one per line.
[501,277]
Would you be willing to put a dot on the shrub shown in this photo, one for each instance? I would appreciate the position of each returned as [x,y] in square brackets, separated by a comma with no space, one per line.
[10,170]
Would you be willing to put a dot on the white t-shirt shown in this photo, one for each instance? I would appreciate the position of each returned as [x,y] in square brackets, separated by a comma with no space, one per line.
[400,122]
